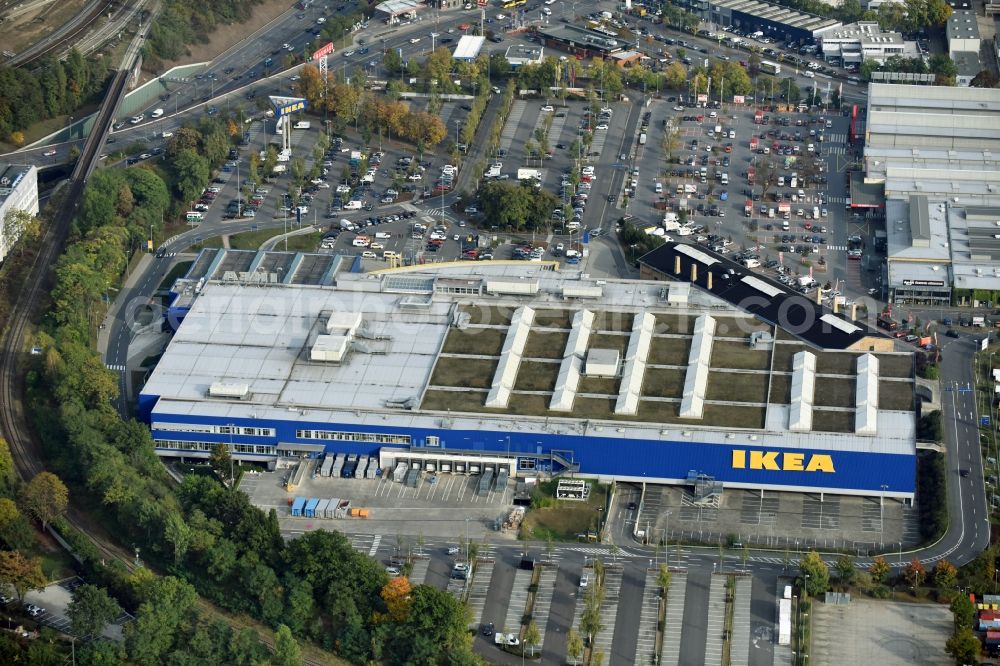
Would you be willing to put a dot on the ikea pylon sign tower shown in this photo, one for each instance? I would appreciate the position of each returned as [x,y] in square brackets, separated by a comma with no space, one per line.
[284,107]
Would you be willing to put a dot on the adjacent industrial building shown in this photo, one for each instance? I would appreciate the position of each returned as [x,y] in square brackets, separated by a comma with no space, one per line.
[936,151]
[518,55]
[513,367]
[18,191]
[468,48]
[774,21]
[962,33]
[579,41]
[853,44]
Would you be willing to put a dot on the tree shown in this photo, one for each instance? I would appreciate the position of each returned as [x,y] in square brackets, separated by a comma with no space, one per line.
[532,636]
[945,574]
[845,569]
[663,579]
[191,171]
[574,645]
[816,573]
[964,646]
[90,610]
[915,573]
[964,611]
[45,497]
[597,658]
[944,69]
[21,573]
[879,570]
[17,138]
[20,226]
[984,79]
[15,531]
[286,650]
[396,595]
[221,461]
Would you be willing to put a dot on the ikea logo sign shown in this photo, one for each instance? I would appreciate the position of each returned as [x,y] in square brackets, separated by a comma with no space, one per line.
[783,461]
[290,108]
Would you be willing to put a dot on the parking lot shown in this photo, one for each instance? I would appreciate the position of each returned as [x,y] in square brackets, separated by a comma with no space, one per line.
[440,506]
[48,606]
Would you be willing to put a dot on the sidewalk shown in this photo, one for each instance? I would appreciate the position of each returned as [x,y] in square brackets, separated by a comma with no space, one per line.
[104,333]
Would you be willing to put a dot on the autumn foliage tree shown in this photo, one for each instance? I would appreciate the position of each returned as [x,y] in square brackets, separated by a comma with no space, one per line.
[20,572]
[945,574]
[396,595]
[45,497]
[879,570]
[915,573]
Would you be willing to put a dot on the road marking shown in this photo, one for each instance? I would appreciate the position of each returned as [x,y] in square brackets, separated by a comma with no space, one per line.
[375,543]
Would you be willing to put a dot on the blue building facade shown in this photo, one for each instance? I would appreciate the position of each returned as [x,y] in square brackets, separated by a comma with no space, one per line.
[750,464]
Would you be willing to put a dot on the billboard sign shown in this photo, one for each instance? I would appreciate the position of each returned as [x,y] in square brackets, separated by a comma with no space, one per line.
[702,98]
[739,99]
[323,51]
[284,106]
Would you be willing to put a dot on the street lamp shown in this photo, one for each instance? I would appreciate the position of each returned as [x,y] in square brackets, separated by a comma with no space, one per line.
[881,513]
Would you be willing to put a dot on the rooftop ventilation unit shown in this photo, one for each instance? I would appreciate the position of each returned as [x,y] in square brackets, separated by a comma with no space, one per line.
[223,390]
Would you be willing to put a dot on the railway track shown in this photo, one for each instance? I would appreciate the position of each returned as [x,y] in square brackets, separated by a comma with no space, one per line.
[66,35]
[25,449]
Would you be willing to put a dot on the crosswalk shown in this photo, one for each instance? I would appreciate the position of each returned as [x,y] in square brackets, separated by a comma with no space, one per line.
[838,200]
[837,248]
[375,542]
[835,150]
[116,367]
[835,137]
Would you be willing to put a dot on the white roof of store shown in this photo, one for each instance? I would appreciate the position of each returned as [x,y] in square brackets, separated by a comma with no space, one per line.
[468,47]
[260,336]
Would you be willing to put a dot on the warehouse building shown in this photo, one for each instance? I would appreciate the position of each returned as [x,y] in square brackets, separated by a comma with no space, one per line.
[468,48]
[18,191]
[936,152]
[774,21]
[514,366]
[964,42]
[578,41]
[853,44]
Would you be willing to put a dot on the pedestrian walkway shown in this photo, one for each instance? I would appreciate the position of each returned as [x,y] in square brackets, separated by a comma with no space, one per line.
[477,593]
[116,367]
[739,640]
[837,248]
[716,620]
[518,601]
[649,616]
[671,653]
[609,610]
[543,600]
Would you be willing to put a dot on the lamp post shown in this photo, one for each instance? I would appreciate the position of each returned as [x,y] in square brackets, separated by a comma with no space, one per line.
[666,538]
[881,514]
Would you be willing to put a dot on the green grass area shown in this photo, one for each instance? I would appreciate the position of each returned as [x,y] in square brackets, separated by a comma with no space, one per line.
[464,372]
[485,341]
[737,327]
[732,416]
[663,382]
[252,240]
[669,351]
[58,564]
[737,387]
[528,405]
[553,318]
[783,355]
[545,345]
[839,392]
[738,355]
[604,385]
[453,401]
[609,341]
[669,323]
[781,389]
[492,316]
[895,395]
[560,520]
[837,363]
[532,376]
[176,271]
[613,321]
[824,421]
[895,365]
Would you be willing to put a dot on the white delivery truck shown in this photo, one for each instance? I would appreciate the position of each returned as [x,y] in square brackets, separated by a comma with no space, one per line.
[156,114]
[302,124]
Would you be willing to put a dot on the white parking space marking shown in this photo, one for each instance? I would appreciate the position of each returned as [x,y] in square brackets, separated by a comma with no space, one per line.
[609,609]
[675,620]
[477,593]
[716,620]
[645,644]
[543,600]
[739,641]
[418,575]
[517,602]
[510,127]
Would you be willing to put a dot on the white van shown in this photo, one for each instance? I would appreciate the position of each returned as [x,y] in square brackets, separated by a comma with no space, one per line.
[302,124]
[194,216]
[659,188]
[781,181]
[794,183]
[815,212]
[353,205]
[156,114]
[361,241]
[751,263]
[724,179]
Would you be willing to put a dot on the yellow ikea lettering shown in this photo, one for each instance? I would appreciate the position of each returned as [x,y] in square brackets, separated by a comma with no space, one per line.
[778,461]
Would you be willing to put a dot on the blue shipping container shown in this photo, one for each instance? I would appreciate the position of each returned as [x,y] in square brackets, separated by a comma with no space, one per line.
[298,505]
[311,507]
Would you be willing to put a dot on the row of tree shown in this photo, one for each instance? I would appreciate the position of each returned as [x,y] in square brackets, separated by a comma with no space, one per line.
[209,536]
[54,88]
